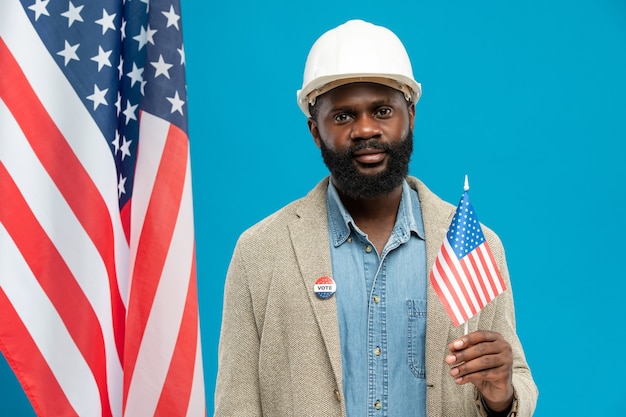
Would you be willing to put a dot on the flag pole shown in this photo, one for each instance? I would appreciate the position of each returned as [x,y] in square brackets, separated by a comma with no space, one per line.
[466,324]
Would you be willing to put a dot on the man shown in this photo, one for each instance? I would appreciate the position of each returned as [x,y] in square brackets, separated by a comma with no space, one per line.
[328,309]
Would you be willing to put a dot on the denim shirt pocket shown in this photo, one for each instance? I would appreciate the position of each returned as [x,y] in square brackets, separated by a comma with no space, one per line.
[416,335]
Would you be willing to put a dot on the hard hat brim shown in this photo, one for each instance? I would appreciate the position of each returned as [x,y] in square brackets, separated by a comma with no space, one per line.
[411,89]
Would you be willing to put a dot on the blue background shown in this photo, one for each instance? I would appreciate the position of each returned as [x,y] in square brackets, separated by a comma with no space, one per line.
[526,97]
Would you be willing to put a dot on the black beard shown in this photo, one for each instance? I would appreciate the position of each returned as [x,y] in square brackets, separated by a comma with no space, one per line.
[355,185]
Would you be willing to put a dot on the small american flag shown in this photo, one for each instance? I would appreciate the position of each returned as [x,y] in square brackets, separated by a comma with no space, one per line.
[465,275]
[98,300]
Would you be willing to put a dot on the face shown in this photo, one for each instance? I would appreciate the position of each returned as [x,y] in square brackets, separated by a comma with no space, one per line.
[364,131]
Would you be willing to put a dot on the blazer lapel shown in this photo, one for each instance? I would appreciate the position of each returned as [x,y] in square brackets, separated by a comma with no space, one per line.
[309,236]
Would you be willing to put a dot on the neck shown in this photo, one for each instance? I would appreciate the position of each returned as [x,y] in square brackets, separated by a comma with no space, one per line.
[375,216]
[372,209]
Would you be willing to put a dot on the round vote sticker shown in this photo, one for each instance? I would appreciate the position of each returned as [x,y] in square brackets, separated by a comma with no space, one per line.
[324,287]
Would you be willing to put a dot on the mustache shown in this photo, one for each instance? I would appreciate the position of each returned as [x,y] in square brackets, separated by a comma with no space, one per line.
[369,144]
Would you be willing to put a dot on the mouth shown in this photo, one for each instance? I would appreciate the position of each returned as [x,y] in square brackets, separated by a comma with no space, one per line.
[369,156]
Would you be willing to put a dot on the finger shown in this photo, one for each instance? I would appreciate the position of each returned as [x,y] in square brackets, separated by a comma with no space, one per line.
[473,338]
[478,350]
[478,365]
[497,375]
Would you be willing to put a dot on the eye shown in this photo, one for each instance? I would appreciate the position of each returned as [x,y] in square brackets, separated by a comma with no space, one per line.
[341,118]
[384,112]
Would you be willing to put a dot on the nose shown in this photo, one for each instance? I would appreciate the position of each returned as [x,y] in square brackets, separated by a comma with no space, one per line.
[365,127]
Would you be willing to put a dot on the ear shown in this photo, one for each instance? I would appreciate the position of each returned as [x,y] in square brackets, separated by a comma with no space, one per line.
[315,132]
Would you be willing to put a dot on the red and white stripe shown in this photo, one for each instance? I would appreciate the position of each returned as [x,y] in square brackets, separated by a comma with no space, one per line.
[90,323]
[163,298]
[467,285]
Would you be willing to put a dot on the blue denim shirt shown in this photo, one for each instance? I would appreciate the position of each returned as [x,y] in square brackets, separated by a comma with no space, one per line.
[381,306]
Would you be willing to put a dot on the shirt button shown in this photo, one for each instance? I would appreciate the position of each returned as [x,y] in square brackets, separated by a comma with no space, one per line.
[349,239]
[378,405]
[376,299]
[368,248]
[377,351]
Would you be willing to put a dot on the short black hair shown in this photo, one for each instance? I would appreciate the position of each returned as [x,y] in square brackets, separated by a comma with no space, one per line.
[314,110]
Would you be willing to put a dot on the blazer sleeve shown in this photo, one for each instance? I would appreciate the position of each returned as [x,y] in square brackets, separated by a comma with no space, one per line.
[237,387]
[526,392]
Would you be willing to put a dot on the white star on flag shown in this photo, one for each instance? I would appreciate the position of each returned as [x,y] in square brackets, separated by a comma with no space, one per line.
[118,104]
[172,18]
[125,148]
[73,14]
[120,69]
[177,103]
[161,67]
[116,141]
[69,52]
[181,52]
[106,21]
[129,111]
[136,75]
[102,58]
[150,35]
[144,37]
[121,186]
[40,8]
[98,96]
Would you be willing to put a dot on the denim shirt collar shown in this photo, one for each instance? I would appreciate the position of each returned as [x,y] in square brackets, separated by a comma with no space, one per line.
[409,219]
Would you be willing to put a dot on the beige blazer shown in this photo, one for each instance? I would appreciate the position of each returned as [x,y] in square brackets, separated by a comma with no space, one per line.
[279,352]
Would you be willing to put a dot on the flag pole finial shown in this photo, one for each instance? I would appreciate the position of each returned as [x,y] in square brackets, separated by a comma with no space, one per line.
[466,186]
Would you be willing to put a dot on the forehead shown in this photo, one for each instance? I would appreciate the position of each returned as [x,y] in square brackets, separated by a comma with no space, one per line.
[360,93]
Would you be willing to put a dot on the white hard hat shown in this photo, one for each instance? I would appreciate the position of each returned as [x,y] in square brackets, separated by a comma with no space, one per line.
[357,51]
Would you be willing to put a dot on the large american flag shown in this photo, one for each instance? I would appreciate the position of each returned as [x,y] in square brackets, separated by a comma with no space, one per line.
[98,300]
[465,275]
